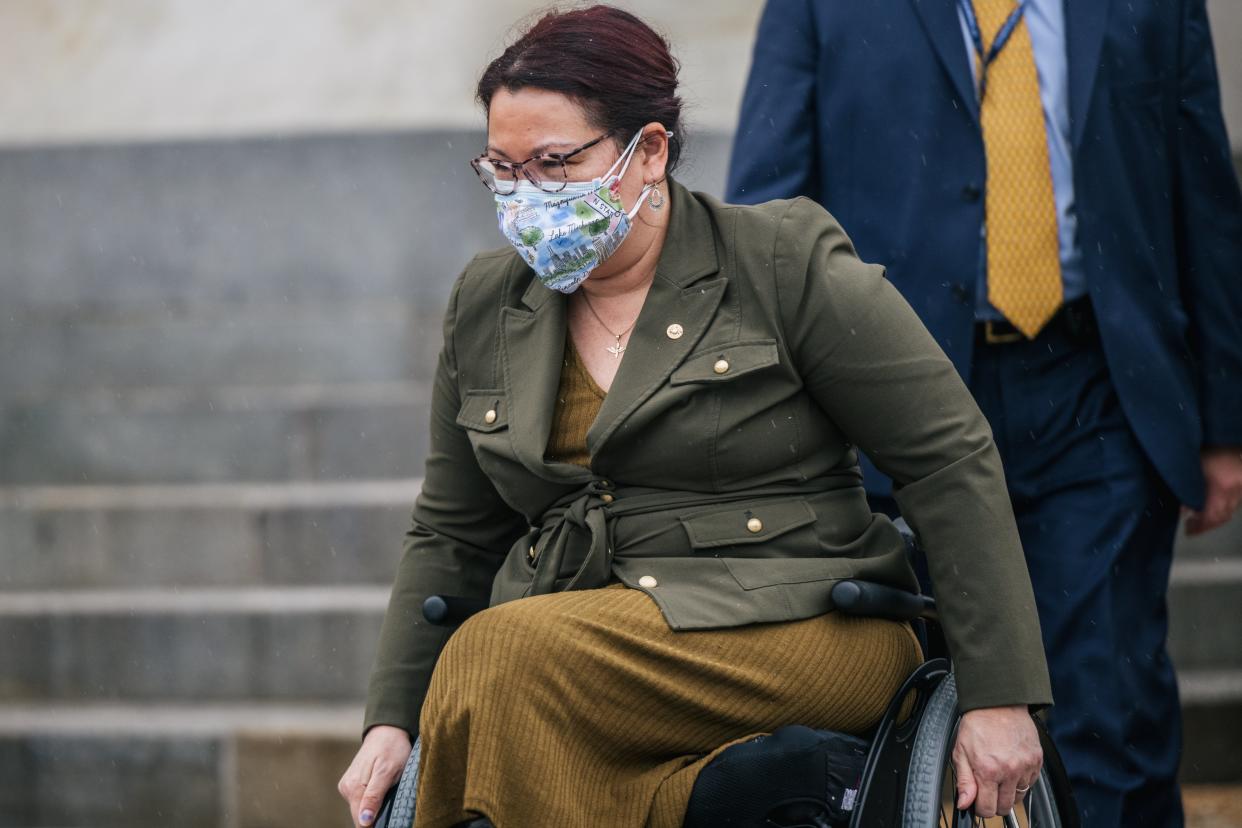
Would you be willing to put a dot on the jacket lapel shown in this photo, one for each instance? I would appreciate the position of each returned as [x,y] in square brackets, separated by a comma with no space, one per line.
[940,20]
[679,296]
[1084,34]
[534,347]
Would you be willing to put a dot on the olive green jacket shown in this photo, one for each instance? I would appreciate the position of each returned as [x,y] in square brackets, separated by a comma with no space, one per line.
[724,479]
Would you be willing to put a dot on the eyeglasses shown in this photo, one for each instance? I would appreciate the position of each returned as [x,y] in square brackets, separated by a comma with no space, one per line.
[547,171]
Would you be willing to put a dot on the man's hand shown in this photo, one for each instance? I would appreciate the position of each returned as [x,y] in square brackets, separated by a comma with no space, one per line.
[1222,470]
[997,757]
[375,769]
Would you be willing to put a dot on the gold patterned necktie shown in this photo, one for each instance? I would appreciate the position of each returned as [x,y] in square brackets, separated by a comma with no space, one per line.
[1024,265]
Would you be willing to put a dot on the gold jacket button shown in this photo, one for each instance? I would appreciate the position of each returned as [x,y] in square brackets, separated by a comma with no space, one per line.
[607,498]
[490,416]
[674,331]
[721,366]
[754,525]
[531,554]
[648,582]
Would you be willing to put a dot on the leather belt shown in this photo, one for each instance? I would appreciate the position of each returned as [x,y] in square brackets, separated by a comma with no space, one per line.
[1074,319]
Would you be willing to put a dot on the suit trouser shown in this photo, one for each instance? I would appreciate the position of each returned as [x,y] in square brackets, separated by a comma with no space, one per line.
[1097,525]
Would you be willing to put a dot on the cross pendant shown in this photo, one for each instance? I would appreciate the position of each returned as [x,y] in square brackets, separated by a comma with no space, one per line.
[616,350]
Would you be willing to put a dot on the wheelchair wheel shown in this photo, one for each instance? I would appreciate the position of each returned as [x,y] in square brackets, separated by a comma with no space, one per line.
[931,781]
[398,808]
[883,784]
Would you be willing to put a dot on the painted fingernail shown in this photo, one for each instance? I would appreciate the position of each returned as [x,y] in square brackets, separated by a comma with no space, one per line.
[367,816]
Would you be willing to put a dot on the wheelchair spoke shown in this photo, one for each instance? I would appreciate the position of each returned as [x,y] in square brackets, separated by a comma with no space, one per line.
[1026,813]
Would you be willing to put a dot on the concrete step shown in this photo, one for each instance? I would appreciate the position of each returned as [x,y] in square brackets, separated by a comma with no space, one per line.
[317,642]
[299,432]
[296,218]
[67,352]
[1205,624]
[119,766]
[324,217]
[1212,726]
[296,533]
[256,766]
[203,535]
[291,643]
[1222,542]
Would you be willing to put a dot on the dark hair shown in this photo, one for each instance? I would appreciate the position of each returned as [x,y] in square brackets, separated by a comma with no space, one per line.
[612,64]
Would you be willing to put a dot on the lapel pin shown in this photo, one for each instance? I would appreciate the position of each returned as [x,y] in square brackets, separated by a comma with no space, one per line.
[674,331]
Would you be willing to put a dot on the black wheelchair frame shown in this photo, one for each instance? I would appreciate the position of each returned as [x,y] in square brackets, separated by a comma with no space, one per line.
[907,780]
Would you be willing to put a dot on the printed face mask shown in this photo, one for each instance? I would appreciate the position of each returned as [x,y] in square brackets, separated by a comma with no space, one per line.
[564,236]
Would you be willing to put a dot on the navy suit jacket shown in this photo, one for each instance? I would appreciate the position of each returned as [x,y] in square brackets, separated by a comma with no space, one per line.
[867,106]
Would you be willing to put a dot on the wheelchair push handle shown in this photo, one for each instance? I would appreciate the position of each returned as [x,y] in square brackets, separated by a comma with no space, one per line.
[447,610]
[870,600]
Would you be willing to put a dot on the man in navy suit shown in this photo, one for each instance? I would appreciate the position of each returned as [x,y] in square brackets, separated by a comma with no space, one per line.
[1083,270]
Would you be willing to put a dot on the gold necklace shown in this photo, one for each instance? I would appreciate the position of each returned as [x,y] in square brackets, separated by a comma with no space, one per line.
[617,349]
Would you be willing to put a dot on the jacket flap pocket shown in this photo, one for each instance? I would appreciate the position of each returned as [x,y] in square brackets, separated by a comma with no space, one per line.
[726,362]
[757,573]
[741,525]
[484,410]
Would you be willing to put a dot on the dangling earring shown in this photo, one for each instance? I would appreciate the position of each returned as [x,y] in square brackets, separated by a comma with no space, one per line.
[655,198]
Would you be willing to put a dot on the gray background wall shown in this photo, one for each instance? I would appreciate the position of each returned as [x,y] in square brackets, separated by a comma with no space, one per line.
[228,230]
[90,70]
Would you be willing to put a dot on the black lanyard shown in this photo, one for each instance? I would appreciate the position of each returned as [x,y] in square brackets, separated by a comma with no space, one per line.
[998,43]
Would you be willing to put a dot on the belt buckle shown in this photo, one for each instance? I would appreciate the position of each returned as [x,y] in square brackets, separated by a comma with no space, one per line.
[993,337]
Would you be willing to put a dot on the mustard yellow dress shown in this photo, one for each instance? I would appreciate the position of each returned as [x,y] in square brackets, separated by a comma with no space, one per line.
[584,710]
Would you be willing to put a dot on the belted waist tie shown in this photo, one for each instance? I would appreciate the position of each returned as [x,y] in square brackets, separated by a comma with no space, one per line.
[573,547]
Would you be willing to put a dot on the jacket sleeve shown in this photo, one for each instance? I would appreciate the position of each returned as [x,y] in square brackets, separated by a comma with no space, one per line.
[870,364]
[460,534]
[776,144]
[1209,231]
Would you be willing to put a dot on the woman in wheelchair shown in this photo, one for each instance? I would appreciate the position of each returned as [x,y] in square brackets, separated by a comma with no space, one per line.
[644,430]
